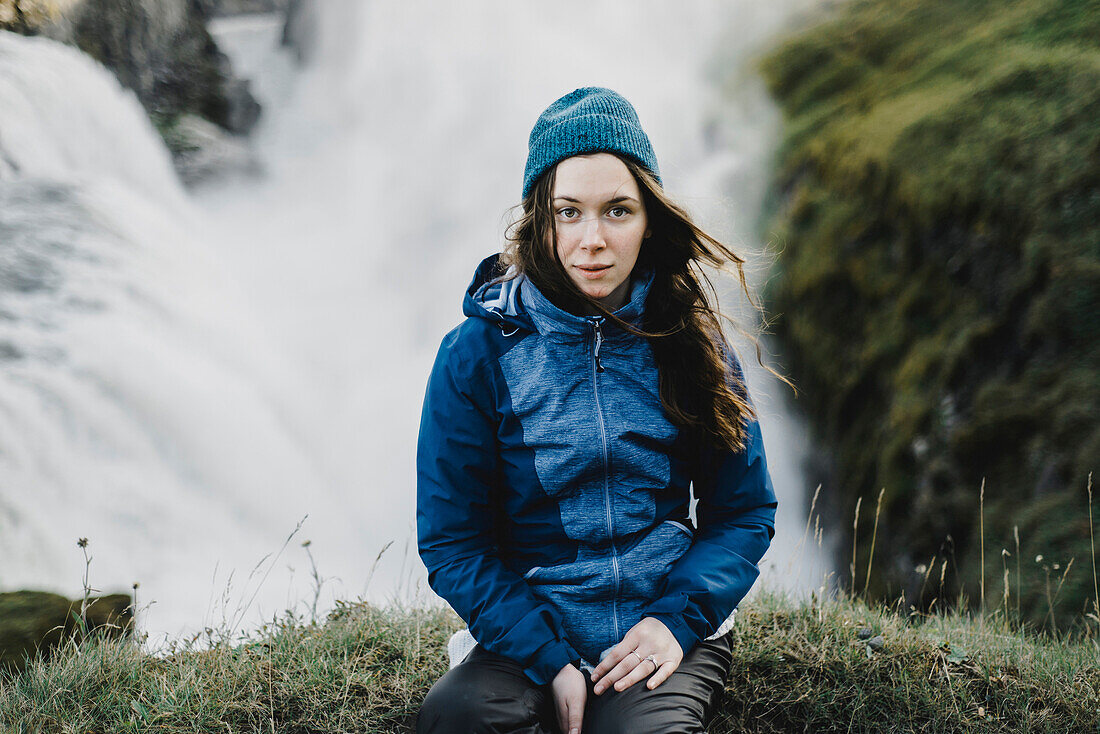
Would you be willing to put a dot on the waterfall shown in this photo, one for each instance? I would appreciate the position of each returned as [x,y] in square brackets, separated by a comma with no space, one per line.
[139,398]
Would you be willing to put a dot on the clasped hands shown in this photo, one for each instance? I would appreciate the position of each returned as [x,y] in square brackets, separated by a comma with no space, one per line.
[649,649]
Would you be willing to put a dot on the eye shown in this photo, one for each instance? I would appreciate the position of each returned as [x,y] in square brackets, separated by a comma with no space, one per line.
[568,212]
[618,212]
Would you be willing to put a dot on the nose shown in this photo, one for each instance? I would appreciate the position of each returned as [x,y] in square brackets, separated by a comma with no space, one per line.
[592,237]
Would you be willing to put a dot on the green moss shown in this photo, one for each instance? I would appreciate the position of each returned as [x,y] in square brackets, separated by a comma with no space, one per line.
[937,200]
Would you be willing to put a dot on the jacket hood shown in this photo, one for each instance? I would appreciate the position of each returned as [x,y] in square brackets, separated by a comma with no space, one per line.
[490,297]
[514,302]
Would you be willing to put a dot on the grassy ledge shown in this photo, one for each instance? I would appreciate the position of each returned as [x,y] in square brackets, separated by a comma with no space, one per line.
[816,665]
[363,669]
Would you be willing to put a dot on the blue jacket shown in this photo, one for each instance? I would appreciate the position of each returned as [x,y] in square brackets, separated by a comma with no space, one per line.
[553,492]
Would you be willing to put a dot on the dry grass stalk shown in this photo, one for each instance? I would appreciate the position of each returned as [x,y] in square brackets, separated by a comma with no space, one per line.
[855,533]
[927,573]
[874,537]
[1053,599]
[1019,578]
[800,548]
[1092,546]
[981,542]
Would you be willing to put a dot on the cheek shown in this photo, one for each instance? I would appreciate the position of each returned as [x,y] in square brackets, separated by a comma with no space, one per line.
[631,246]
[564,248]
[553,246]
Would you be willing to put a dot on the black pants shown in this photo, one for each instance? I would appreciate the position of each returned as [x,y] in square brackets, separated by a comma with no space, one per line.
[488,693]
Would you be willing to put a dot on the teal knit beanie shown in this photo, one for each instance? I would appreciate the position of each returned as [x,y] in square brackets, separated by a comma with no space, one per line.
[586,120]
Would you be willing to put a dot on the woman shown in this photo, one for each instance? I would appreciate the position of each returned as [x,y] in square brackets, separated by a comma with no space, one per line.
[563,423]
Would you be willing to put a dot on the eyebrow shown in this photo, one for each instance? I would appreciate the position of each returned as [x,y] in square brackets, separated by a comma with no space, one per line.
[616,200]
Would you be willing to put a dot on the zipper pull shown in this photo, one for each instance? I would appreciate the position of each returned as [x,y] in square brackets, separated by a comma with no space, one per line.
[598,334]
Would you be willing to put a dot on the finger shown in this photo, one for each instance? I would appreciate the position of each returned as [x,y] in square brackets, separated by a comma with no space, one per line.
[640,672]
[576,714]
[562,706]
[613,657]
[630,641]
[662,674]
[625,666]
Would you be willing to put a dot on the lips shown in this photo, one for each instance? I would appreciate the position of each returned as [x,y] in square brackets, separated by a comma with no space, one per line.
[592,272]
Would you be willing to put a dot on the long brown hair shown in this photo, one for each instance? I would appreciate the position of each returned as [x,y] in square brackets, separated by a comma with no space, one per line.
[682,321]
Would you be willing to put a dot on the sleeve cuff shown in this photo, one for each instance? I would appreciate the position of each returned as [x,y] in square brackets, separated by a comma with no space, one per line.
[675,623]
[548,660]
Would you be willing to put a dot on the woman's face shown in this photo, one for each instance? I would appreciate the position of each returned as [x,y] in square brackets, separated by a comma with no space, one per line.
[601,222]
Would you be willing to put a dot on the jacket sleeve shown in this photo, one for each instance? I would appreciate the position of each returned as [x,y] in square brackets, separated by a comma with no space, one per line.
[456,475]
[736,521]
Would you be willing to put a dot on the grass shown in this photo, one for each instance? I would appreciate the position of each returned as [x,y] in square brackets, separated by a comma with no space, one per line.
[812,665]
[362,669]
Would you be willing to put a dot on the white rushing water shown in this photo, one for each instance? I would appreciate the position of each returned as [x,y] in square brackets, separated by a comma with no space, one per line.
[185,376]
[139,395]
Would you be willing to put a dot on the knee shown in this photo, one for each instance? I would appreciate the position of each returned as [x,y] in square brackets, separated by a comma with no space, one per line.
[641,710]
[461,702]
[669,723]
[445,707]
[602,723]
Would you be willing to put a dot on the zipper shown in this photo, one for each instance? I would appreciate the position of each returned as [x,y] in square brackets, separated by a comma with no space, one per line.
[597,367]
[597,333]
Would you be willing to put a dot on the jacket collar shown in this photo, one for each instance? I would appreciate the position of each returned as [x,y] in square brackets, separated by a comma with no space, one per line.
[514,302]
[549,319]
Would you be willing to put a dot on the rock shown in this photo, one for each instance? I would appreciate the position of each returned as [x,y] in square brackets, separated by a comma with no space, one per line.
[160,49]
[201,150]
[300,29]
[864,633]
[242,109]
[33,621]
[876,643]
[241,7]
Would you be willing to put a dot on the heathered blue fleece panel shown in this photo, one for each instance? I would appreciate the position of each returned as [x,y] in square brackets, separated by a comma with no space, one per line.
[551,391]
[602,447]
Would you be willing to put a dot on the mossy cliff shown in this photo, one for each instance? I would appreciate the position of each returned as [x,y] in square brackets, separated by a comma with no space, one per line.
[937,202]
